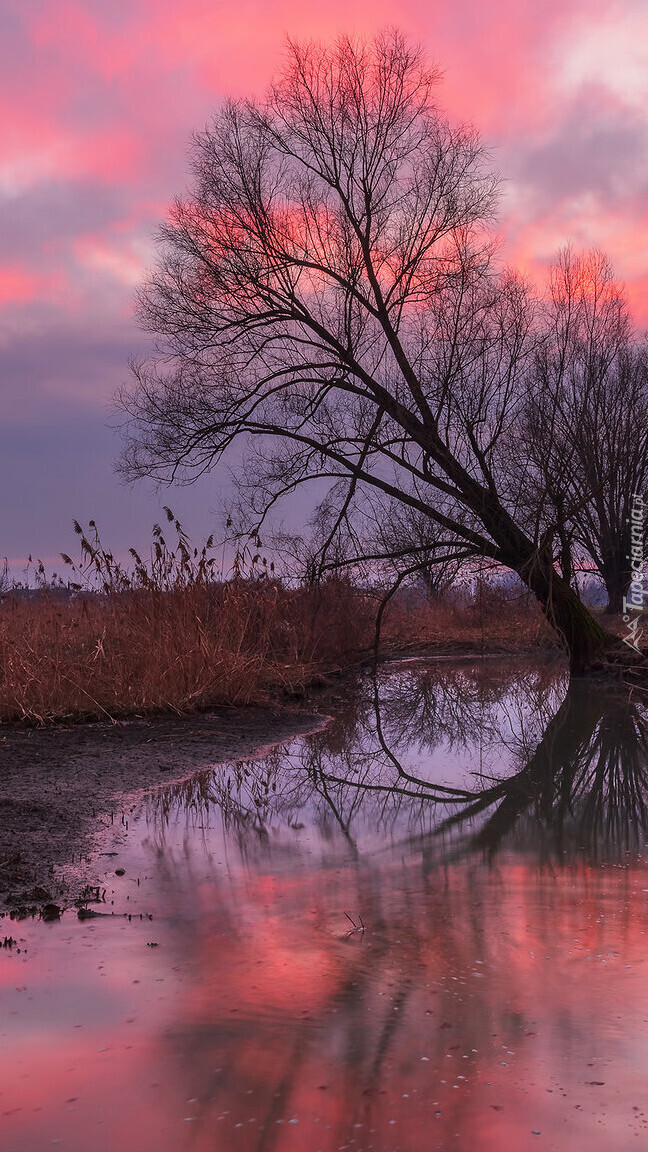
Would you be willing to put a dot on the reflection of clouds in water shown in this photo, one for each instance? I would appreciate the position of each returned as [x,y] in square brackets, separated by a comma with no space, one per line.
[471,988]
[487,996]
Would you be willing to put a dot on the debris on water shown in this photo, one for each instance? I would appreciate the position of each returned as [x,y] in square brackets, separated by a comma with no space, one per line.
[91,894]
[50,912]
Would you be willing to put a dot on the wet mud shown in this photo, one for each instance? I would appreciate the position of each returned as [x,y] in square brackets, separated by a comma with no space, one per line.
[61,788]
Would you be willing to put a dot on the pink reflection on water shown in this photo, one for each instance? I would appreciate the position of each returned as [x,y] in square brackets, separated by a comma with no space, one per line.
[482,1004]
[82,1058]
[500,1008]
[477,1011]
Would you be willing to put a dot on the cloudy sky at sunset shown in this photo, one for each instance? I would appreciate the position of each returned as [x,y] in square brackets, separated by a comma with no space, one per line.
[97,102]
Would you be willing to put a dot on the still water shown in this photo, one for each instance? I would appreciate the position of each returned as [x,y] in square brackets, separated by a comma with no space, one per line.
[424,926]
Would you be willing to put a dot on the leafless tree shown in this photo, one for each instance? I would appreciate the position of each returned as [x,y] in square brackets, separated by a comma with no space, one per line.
[587,421]
[380,542]
[328,294]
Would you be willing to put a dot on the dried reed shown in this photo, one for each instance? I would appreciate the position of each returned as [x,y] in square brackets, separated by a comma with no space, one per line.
[167,634]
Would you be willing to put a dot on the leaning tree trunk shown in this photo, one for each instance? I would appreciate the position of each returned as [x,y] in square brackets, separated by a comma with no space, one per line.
[547,780]
[580,633]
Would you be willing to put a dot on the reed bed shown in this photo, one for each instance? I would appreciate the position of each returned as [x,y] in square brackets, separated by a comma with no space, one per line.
[167,635]
[116,654]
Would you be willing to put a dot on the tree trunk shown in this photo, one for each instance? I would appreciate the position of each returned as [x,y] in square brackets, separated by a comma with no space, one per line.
[435,582]
[584,785]
[617,579]
[550,771]
[580,633]
[616,573]
[615,594]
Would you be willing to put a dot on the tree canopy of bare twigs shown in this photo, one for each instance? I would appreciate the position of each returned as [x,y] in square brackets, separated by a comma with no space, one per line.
[328,294]
[587,421]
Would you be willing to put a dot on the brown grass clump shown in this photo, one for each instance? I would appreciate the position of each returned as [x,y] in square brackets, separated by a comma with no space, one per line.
[180,644]
[167,635]
[145,650]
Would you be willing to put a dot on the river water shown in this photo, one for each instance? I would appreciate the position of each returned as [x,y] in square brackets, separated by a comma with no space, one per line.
[423,927]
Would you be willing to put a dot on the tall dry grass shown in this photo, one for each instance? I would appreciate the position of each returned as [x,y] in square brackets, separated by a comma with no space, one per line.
[165,634]
[192,647]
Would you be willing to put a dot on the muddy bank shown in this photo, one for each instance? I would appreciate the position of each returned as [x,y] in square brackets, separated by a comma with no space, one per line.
[60,787]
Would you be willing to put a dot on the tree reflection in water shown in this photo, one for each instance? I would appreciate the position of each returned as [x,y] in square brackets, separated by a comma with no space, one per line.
[584,789]
[572,775]
[425,809]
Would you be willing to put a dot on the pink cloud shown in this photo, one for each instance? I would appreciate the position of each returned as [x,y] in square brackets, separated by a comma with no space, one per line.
[38,148]
[17,285]
[95,95]
[21,285]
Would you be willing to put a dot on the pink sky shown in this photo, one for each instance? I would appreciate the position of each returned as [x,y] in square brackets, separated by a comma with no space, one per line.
[97,103]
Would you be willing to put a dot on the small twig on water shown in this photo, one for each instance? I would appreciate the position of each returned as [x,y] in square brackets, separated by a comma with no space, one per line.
[356,927]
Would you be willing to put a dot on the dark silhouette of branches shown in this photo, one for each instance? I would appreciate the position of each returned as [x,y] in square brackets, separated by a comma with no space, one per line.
[586,431]
[577,775]
[327,294]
